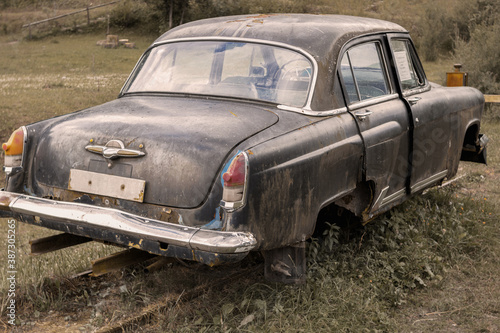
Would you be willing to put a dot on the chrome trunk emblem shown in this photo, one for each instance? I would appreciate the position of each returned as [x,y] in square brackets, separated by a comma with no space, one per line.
[114,149]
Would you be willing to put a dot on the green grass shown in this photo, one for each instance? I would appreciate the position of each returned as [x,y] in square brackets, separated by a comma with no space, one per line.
[368,281]
[425,266]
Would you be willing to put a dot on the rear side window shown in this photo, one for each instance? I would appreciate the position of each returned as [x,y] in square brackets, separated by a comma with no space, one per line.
[363,72]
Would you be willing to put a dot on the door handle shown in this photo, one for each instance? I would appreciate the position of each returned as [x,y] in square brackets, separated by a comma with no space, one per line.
[414,100]
[362,115]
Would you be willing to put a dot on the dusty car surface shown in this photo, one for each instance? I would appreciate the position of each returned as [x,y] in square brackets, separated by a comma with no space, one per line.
[234,134]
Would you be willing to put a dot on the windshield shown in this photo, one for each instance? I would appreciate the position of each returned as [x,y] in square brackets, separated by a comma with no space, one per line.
[233,69]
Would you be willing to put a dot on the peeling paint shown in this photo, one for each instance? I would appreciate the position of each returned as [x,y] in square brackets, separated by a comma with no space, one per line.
[135,246]
[216,223]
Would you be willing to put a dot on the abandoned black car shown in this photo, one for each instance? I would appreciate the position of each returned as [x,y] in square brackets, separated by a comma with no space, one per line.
[233,134]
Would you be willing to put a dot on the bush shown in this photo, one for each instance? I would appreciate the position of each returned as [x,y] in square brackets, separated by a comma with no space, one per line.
[481,57]
[479,52]
[128,14]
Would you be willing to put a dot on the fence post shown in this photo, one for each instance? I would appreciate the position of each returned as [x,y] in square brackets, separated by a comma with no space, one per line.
[88,16]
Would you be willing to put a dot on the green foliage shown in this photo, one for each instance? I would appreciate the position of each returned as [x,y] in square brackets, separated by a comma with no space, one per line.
[406,249]
[128,14]
[362,280]
[481,57]
[478,50]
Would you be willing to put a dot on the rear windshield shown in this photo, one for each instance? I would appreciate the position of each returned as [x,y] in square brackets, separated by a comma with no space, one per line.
[232,69]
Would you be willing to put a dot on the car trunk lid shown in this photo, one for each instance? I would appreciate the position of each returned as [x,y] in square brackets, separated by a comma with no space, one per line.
[179,145]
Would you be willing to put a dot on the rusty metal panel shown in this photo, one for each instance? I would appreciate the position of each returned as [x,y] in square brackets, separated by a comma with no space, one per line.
[108,185]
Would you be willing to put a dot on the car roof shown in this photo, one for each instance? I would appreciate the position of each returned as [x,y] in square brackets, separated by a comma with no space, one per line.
[293,29]
[322,36]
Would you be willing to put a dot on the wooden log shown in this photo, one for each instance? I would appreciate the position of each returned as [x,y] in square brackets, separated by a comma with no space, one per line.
[492,98]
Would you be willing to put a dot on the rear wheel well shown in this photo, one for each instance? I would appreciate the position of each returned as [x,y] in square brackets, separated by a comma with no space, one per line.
[347,211]
[334,214]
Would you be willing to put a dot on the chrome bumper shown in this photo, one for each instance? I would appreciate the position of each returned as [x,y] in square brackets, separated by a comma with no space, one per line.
[72,217]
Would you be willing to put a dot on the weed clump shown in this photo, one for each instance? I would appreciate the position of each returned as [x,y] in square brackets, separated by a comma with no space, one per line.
[407,248]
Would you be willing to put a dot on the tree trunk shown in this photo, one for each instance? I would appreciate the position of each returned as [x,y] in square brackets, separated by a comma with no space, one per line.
[171,14]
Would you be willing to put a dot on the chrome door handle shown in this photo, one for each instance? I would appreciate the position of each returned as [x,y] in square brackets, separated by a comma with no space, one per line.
[362,116]
[414,100]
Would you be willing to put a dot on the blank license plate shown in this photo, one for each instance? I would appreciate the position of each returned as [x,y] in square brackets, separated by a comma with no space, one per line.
[107,185]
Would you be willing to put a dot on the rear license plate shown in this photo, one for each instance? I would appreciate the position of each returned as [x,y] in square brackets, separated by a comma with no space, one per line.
[107,185]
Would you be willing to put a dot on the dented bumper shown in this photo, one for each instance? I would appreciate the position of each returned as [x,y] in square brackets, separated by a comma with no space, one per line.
[191,243]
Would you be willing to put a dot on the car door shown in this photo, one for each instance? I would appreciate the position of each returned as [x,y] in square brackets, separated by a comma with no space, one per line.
[430,118]
[382,119]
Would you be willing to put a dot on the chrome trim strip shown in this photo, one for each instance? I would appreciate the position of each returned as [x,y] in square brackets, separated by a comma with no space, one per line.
[393,197]
[126,223]
[114,149]
[428,181]
[383,200]
[379,200]
[25,144]
[310,112]
[367,102]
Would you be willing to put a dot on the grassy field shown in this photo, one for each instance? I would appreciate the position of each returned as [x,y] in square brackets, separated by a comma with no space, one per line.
[431,265]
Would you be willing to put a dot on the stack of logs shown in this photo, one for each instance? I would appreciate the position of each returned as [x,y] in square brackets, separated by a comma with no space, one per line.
[112,42]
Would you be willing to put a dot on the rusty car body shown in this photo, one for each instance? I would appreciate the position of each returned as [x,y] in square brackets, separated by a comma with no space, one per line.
[233,134]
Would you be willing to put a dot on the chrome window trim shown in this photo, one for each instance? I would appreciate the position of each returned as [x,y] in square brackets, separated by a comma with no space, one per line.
[306,109]
[371,101]
[312,113]
[370,39]
[414,91]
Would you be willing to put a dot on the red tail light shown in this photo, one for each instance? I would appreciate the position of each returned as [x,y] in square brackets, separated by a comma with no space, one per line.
[236,173]
[234,182]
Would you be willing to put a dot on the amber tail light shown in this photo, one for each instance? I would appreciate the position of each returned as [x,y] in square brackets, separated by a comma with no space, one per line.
[14,148]
[234,182]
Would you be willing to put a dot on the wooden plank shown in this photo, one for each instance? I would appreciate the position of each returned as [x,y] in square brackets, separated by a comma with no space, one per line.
[56,242]
[492,98]
[118,261]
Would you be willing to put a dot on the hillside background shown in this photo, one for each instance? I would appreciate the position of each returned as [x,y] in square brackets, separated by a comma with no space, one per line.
[463,31]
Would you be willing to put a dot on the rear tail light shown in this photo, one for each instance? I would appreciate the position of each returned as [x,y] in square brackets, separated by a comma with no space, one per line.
[14,149]
[234,181]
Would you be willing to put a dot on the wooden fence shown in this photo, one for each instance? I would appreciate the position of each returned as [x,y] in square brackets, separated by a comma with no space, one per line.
[88,9]
[492,98]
